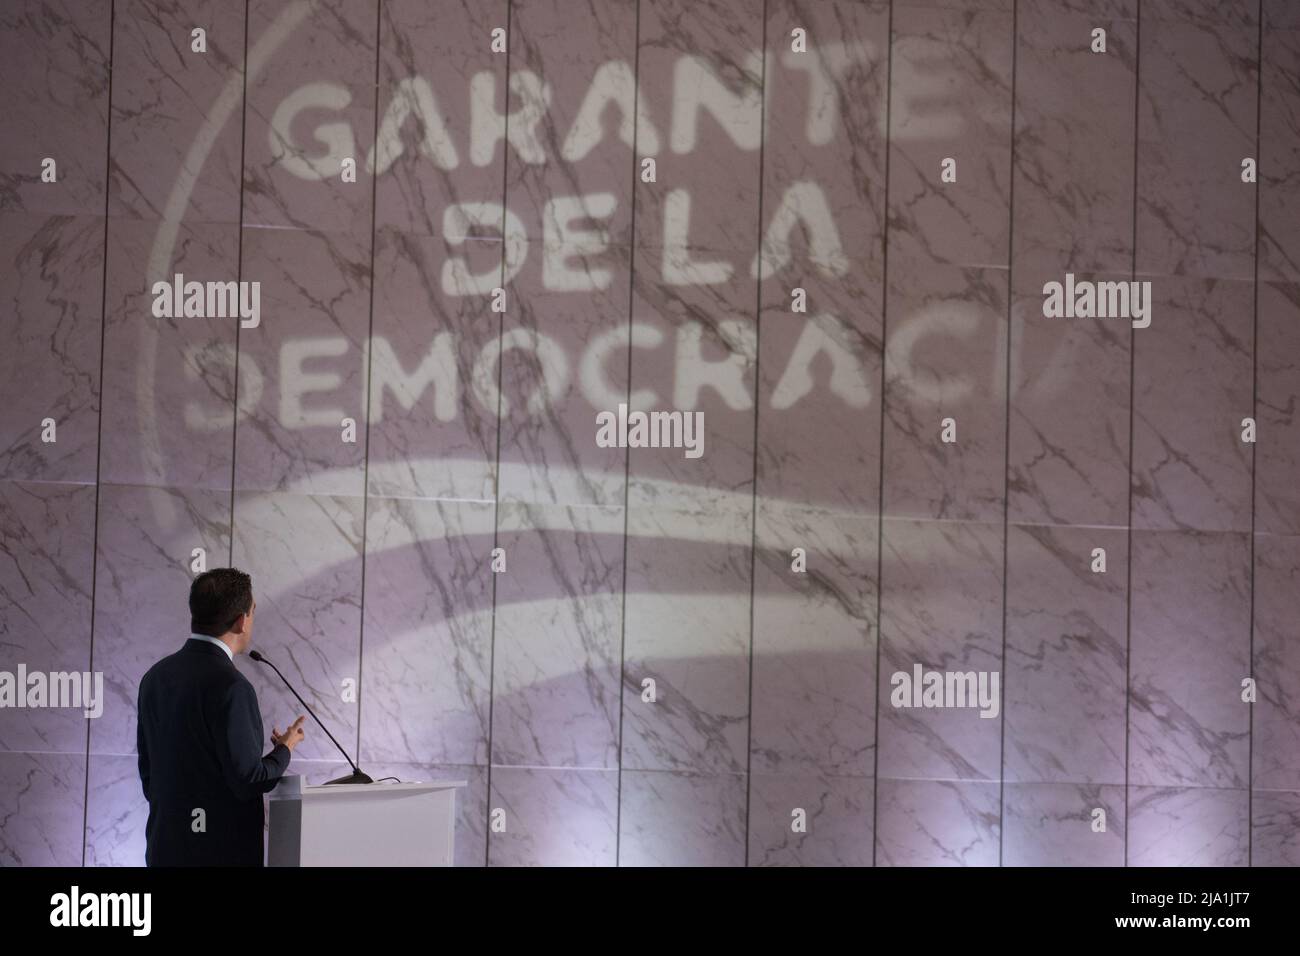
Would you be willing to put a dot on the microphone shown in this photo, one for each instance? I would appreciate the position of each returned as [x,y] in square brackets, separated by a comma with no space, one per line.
[356,776]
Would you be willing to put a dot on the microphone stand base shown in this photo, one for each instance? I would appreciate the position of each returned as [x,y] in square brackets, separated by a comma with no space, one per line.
[355,777]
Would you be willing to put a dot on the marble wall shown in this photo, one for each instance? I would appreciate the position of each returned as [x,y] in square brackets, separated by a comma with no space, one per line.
[522,170]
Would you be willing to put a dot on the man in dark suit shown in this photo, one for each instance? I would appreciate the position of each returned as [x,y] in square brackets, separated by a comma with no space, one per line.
[199,735]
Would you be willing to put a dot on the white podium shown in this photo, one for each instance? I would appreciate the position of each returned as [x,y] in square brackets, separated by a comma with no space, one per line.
[376,824]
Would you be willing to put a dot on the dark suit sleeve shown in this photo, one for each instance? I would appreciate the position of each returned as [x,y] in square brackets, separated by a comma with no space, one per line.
[140,747]
[247,772]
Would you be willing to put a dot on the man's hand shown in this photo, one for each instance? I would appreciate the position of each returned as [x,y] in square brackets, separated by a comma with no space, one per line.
[291,737]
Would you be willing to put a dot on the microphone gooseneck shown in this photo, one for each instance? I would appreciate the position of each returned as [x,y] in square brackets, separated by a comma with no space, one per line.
[356,776]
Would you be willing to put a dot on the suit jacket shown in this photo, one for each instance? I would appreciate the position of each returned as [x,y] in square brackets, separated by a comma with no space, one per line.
[199,734]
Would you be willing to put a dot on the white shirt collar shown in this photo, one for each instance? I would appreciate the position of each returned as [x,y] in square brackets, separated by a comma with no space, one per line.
[213,640]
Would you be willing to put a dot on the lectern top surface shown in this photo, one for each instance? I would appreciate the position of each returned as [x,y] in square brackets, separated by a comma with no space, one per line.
[339,789]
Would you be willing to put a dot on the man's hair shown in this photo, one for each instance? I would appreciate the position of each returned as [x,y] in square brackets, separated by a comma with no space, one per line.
[217,598]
